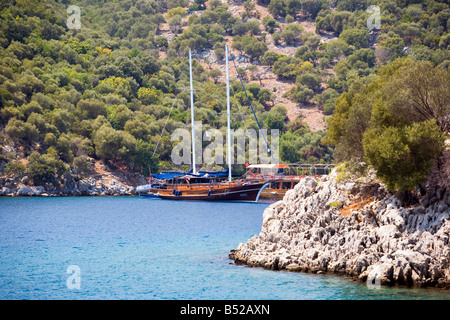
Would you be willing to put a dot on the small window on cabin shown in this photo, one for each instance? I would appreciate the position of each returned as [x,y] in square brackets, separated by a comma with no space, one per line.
[275,185]
[286,185]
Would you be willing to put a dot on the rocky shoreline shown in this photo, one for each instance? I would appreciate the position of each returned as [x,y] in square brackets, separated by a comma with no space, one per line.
[353,226]
[39,191]
[95,185]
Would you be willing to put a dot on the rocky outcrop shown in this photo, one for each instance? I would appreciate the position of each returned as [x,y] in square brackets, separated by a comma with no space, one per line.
[356,228]
[96,185]
[104,180]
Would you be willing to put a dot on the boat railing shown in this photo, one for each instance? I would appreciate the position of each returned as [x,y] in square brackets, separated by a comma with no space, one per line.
[295,172]
[213,185]
[312,168]
[280,177]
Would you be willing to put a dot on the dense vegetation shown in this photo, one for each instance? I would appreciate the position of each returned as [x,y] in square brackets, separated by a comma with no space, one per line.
[106,90]
[397,122]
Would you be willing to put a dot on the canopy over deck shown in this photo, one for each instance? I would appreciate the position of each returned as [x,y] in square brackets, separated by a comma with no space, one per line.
[166,175]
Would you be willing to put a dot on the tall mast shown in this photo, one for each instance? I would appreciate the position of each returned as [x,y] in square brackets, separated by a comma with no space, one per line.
[192,113]
[228,116]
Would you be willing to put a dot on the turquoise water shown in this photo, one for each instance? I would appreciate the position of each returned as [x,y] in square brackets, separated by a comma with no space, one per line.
[139,248]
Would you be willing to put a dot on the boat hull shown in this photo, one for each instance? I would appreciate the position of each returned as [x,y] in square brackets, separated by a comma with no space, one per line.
[249,192]
[270,193]
[278,187]
[149,195]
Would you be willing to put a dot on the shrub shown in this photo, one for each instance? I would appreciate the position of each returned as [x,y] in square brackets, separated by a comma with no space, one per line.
[356,37]
[403,156]
[83,166]
[41,173]
[111,144]
[15,168]
[44,169]
[23,132]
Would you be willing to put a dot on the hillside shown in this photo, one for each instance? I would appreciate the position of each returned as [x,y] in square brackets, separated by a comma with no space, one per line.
[99,94]
[263,75]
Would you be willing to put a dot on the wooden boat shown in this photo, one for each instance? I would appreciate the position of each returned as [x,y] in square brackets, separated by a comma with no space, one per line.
[283,177]
[278,176]
[200,188]
[149,195]
[196,187]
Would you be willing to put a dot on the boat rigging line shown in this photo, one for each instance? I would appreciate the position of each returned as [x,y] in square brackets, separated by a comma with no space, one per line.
[251,106]
[231,57]
[165,124]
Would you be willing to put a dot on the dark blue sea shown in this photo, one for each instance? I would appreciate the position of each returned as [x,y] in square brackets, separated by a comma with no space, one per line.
[139,248]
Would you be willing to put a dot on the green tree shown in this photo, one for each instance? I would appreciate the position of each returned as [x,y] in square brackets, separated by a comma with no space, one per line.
[15,169]
[393,42]
[417,91]
[64,148]
[336,49]
[41,173]
[143,159]
[285,66]
[176,11]
[31,107]
[310,80]
[348,123]
[403,156]
[293,6]
[277,8]
[250,45]
[162,42]
[312,7]
[138,129]
[149,95]
[82,166]
[111,144]
[22,132]
[270,24]
[175,24]
[388,120]
[302,94]
[326,100]
[292,33]
[91,108]
[239,28]
[269,58]
[255,48]
[352,5]
[215,74]
[276,118]
[356,37]
[276,38]
[366,56]
[253,26]
[29,84]
[46,168]
[340,20]
[265,96]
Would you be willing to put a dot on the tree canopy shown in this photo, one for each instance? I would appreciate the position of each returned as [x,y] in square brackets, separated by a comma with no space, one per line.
[397,122]
[105,91]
